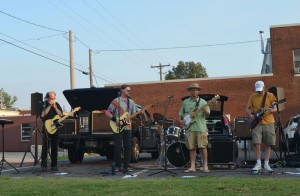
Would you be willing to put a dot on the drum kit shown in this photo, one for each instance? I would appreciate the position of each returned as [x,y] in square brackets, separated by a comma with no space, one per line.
[177,153]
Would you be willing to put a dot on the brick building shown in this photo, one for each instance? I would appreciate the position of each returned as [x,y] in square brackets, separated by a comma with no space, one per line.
[285,47]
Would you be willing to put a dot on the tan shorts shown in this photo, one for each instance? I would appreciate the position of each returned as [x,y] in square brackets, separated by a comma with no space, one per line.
[264,134]
[194,138]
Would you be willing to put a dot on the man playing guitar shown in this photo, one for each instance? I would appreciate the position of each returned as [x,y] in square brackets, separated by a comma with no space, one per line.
[122,137]
[50,108]
[264,131]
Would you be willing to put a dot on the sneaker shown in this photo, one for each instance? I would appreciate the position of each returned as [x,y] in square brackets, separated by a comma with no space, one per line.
[129,169]
[54,168]
[118,169]
[256,168]
[268,169]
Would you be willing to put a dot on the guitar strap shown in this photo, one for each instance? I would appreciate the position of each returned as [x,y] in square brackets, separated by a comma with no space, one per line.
[197,104]
[264,100]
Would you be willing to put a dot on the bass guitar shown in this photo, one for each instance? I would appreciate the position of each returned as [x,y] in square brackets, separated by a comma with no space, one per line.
[258,115]
[53,124]
[125,120]
[189,119]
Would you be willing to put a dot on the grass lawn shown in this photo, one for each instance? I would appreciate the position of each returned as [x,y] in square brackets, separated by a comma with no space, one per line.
[153,186]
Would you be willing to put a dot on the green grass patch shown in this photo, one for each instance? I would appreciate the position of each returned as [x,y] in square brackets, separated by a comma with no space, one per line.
[152,186]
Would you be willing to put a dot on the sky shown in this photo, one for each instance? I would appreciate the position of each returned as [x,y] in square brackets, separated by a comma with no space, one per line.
[127,38]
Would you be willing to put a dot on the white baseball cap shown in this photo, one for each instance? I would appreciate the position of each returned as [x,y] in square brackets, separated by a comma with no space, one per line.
[259,86]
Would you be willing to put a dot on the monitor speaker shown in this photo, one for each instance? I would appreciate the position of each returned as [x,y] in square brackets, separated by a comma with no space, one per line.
[279,94]
[222,152]
[36,101]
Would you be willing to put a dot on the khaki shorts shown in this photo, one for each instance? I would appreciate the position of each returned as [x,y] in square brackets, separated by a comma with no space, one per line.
[196,137]
[264,134]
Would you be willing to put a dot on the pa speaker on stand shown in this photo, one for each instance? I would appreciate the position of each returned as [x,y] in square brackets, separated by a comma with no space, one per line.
[36,101]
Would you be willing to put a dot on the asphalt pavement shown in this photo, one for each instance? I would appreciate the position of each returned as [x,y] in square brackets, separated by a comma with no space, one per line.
[95,166]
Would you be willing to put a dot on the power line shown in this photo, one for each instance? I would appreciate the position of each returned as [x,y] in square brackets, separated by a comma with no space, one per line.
[176,47]
[39,38]
[32,22]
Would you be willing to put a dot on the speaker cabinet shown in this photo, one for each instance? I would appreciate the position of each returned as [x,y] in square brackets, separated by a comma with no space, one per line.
[279,94]
[222,152]
[100,123]
[36,101]
[242,128]
[69,127]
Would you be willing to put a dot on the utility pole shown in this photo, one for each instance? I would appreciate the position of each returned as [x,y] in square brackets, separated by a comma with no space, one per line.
[91,70]
[71,59]
[160,66]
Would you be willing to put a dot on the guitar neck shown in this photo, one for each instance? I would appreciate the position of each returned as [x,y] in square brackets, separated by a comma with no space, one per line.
[65,117]
[135,114]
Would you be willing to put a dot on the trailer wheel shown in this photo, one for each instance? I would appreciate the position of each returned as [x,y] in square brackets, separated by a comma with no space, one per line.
[75,155]
[135,150]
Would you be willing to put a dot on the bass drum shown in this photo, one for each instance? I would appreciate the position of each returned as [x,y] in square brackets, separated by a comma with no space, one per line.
[178,154]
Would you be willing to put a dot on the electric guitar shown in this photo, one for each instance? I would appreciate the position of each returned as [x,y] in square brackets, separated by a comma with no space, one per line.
[53,124]
[125,120]
[258,115]
[189,119]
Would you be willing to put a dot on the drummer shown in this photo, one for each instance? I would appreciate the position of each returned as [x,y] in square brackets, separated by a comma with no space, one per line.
[196,126]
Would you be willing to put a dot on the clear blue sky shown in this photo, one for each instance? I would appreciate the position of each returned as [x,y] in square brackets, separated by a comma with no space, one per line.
[105,25]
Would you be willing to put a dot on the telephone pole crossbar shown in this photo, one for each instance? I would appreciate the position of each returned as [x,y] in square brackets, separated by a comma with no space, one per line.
[160,66]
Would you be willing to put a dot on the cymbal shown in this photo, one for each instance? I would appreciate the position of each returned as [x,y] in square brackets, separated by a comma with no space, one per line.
[157,116]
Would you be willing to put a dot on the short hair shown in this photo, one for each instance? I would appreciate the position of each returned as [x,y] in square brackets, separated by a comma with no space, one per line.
[124,86]
[47,94]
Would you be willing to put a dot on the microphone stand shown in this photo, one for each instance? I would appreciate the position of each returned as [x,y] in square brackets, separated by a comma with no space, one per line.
[165,169]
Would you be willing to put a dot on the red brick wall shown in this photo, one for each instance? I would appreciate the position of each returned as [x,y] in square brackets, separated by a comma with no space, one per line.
[12,134]
[283,41]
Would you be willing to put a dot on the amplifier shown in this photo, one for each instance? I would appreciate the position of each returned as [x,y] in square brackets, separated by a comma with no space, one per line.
[222,152]
[100,123]
[242,128]
[220,137]
[292,160]
[69,127]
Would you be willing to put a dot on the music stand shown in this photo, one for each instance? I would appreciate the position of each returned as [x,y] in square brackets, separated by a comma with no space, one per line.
[165,142]
[5,122]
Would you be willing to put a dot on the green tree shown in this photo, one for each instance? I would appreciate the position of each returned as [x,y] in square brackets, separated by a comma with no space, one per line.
[6,101]
[186,70]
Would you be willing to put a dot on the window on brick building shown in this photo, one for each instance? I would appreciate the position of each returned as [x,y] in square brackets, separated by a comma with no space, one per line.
[297,60]
[25,132]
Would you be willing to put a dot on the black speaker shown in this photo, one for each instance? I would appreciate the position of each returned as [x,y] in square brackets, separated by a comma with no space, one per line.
[222,151]
[279,94]
[36,101]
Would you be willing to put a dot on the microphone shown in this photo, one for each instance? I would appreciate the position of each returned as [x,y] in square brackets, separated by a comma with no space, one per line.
[170,96]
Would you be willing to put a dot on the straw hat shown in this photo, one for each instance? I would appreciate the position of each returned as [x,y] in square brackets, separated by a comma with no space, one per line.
[194,86]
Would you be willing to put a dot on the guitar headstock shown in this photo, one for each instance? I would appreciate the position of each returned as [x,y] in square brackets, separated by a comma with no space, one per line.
[215,98]
[76,109]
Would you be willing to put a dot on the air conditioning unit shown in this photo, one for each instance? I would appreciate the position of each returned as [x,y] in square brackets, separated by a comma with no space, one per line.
[297,70]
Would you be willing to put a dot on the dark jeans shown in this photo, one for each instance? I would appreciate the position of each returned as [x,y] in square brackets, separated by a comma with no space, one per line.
[49,139]
[123,144]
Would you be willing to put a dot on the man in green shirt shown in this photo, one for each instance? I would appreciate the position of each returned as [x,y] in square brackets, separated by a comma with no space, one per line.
[196,125]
